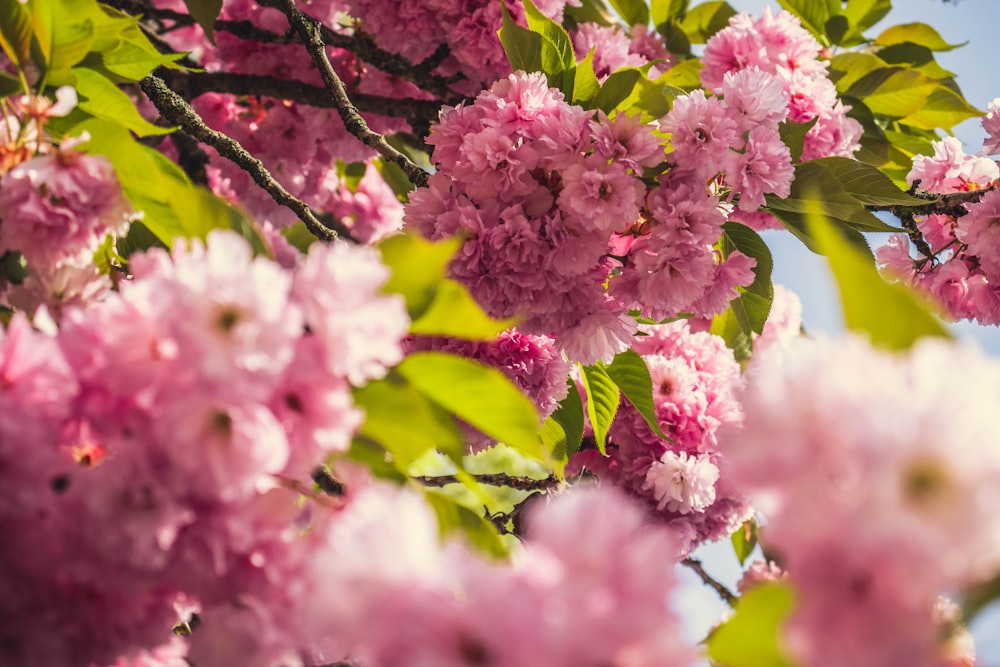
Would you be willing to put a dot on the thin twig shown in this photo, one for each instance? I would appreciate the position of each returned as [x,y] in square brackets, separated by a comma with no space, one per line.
[724,593]
[309,31]
[176,110]
[497,479]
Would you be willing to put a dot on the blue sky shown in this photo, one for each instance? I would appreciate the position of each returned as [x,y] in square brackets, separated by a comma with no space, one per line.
[971,21]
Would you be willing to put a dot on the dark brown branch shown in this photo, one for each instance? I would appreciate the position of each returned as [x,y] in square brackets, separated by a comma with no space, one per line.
[193,84]
[952,204]
[727,596]
[309,31]
[359,44]
[498,479]
[176,110]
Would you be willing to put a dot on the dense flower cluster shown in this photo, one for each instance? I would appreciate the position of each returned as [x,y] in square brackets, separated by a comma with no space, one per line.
[907,502]
[304,147]
[695,382]
[182,432]
[403,600]
[551,203]
[779,45]
[962,272]
[466,28]
[55,210]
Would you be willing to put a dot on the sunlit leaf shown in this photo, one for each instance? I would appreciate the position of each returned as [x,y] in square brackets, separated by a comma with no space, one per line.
[479,395]
[629,371]
[403,421]
[457,519]
[602,402]
[891,314]
[918,33]
[752,636]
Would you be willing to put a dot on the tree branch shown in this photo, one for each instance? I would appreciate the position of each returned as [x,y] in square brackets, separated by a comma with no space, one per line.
[176,110]
[952,204]
[498,479]
[727,596]
[193,84]
[359,44]
[309,31]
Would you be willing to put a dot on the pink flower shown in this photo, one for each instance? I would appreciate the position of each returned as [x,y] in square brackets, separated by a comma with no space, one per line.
[338,287]
[682,483]
[58,208]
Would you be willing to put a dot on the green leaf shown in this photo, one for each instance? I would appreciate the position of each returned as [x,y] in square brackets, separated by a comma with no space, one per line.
[866,13]
[403,421]
[744,540]
[893,91]
[631,374]
[590,11]
[522,46]
[131,62]
[733,326]
[753,305]
[15,31]
[617,88]
[372,455]
[205,12]
[752,636]
[418,266]
[848,68]
[569,415]
[479,395]
[554,439]
[676,39]
[453,312]
[892,315]
[634,12]
[42,25]
[662,11]
[837,29]
[299,236]
[918,33]
[602,402]
[943,109]
[867,184]
[102,99]
[685,75]
[794,136]
[455,518]
[9,85]
[814,14]
[704,20]
[557,48]
[586,85]
[817,187]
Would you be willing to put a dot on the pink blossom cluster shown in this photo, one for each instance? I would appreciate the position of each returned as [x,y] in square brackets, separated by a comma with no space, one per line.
[550,201]
[467,29]
[878,495]
[300,145]
[393,593]
[963,275]
[155,446]
[56,209]
[533,363]
[735,136]
[614,48]
[695,385]
[779,45]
